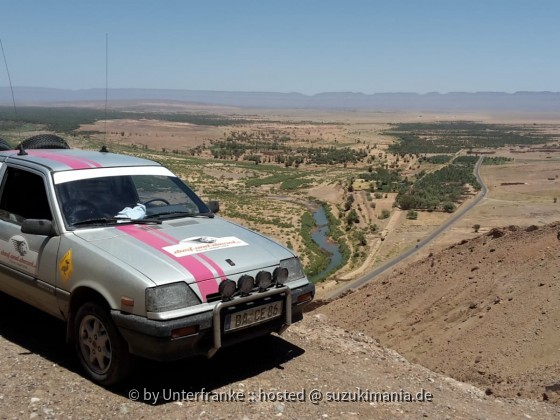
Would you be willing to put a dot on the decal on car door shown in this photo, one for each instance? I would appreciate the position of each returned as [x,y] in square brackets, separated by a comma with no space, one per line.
[16,252]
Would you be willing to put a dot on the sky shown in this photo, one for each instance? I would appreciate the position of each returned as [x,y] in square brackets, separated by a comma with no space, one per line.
[306,46]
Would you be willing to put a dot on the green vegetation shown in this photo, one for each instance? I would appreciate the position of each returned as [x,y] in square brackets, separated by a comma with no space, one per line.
[412,215]
[467,160]
[385,180]
[448,207]
[437,159]
[450,137]
[440,189]
[337,235]
[318,259]
[384,214]
[496,160]
[352,217]
[66,120]
[294,184]
[277,147]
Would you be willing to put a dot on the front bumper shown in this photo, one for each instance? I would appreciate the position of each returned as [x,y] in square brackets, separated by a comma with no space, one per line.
[153,339]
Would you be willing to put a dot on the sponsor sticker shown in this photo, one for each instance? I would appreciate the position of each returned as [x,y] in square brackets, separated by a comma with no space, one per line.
[16,253]
[200,244]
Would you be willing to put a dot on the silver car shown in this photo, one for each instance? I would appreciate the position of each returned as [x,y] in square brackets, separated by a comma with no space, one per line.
[135,263]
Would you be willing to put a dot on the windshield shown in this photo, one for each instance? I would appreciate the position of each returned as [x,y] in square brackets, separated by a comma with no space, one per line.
[122,198]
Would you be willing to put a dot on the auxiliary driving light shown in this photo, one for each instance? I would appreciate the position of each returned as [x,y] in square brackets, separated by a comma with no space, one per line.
[245,284]
[227,289]
[264,280]
[280,275]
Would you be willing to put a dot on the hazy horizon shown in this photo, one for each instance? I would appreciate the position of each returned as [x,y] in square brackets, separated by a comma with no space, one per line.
[395,92]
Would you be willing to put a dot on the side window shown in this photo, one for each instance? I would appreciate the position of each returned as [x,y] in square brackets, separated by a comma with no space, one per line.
[23,196]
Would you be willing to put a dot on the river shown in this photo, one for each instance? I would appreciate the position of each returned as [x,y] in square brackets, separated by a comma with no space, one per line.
[319,235]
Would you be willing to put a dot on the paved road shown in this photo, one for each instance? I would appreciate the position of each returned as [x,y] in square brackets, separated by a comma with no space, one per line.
[360,281]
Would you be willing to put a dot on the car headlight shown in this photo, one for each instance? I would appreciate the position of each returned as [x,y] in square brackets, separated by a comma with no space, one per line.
[295,269]
[169,297]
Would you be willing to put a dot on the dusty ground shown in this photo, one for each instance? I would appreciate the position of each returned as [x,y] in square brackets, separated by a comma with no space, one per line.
[39,378]
[154,133]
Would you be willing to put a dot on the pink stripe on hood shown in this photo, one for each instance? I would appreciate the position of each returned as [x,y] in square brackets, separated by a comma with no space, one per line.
[213,264]
[202,275]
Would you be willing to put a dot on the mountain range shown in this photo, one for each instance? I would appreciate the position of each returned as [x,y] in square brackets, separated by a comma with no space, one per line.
[433,101]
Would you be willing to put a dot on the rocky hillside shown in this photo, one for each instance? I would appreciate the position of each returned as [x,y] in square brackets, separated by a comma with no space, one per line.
[485,311]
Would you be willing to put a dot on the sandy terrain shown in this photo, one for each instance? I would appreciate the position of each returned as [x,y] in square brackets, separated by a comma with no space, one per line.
[154,134]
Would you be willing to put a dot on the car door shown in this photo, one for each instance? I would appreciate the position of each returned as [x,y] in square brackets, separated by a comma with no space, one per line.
[27,261]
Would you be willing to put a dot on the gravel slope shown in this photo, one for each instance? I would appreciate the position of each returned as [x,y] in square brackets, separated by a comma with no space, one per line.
[39,378]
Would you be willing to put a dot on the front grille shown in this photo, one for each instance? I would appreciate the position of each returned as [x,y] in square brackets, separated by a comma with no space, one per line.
[213,297]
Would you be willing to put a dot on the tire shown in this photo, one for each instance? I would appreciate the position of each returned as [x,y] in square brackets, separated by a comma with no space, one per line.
[4,145]
[102,351]
[45,141]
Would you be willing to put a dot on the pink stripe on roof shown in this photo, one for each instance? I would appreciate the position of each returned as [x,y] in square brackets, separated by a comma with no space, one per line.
[91,162]
[149,236]
[71,161]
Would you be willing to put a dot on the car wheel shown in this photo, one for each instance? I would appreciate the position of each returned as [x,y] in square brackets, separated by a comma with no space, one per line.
[4,145]
[45,141]
[101,349]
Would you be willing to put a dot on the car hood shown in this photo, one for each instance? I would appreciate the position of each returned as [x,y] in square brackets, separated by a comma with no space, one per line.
[202,252]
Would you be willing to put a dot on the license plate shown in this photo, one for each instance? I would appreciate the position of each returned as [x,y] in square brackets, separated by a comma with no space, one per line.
[252,316]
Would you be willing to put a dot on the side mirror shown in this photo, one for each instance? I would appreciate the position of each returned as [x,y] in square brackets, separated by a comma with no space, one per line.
[41,227]
[213,206]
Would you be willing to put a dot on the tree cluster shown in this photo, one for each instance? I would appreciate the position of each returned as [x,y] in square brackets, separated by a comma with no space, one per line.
[439,189]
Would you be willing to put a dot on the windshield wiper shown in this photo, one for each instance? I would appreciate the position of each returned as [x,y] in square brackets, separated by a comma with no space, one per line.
[115,220]
[171,214]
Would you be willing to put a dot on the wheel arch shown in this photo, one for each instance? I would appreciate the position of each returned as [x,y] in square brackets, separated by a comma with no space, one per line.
[78,297]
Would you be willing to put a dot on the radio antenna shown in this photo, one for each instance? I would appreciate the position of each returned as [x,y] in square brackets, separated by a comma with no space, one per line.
[9,78]
[106,85]
[104,146]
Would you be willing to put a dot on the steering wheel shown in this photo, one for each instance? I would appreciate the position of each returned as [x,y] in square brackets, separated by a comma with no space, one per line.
[163,200]
[77,210]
